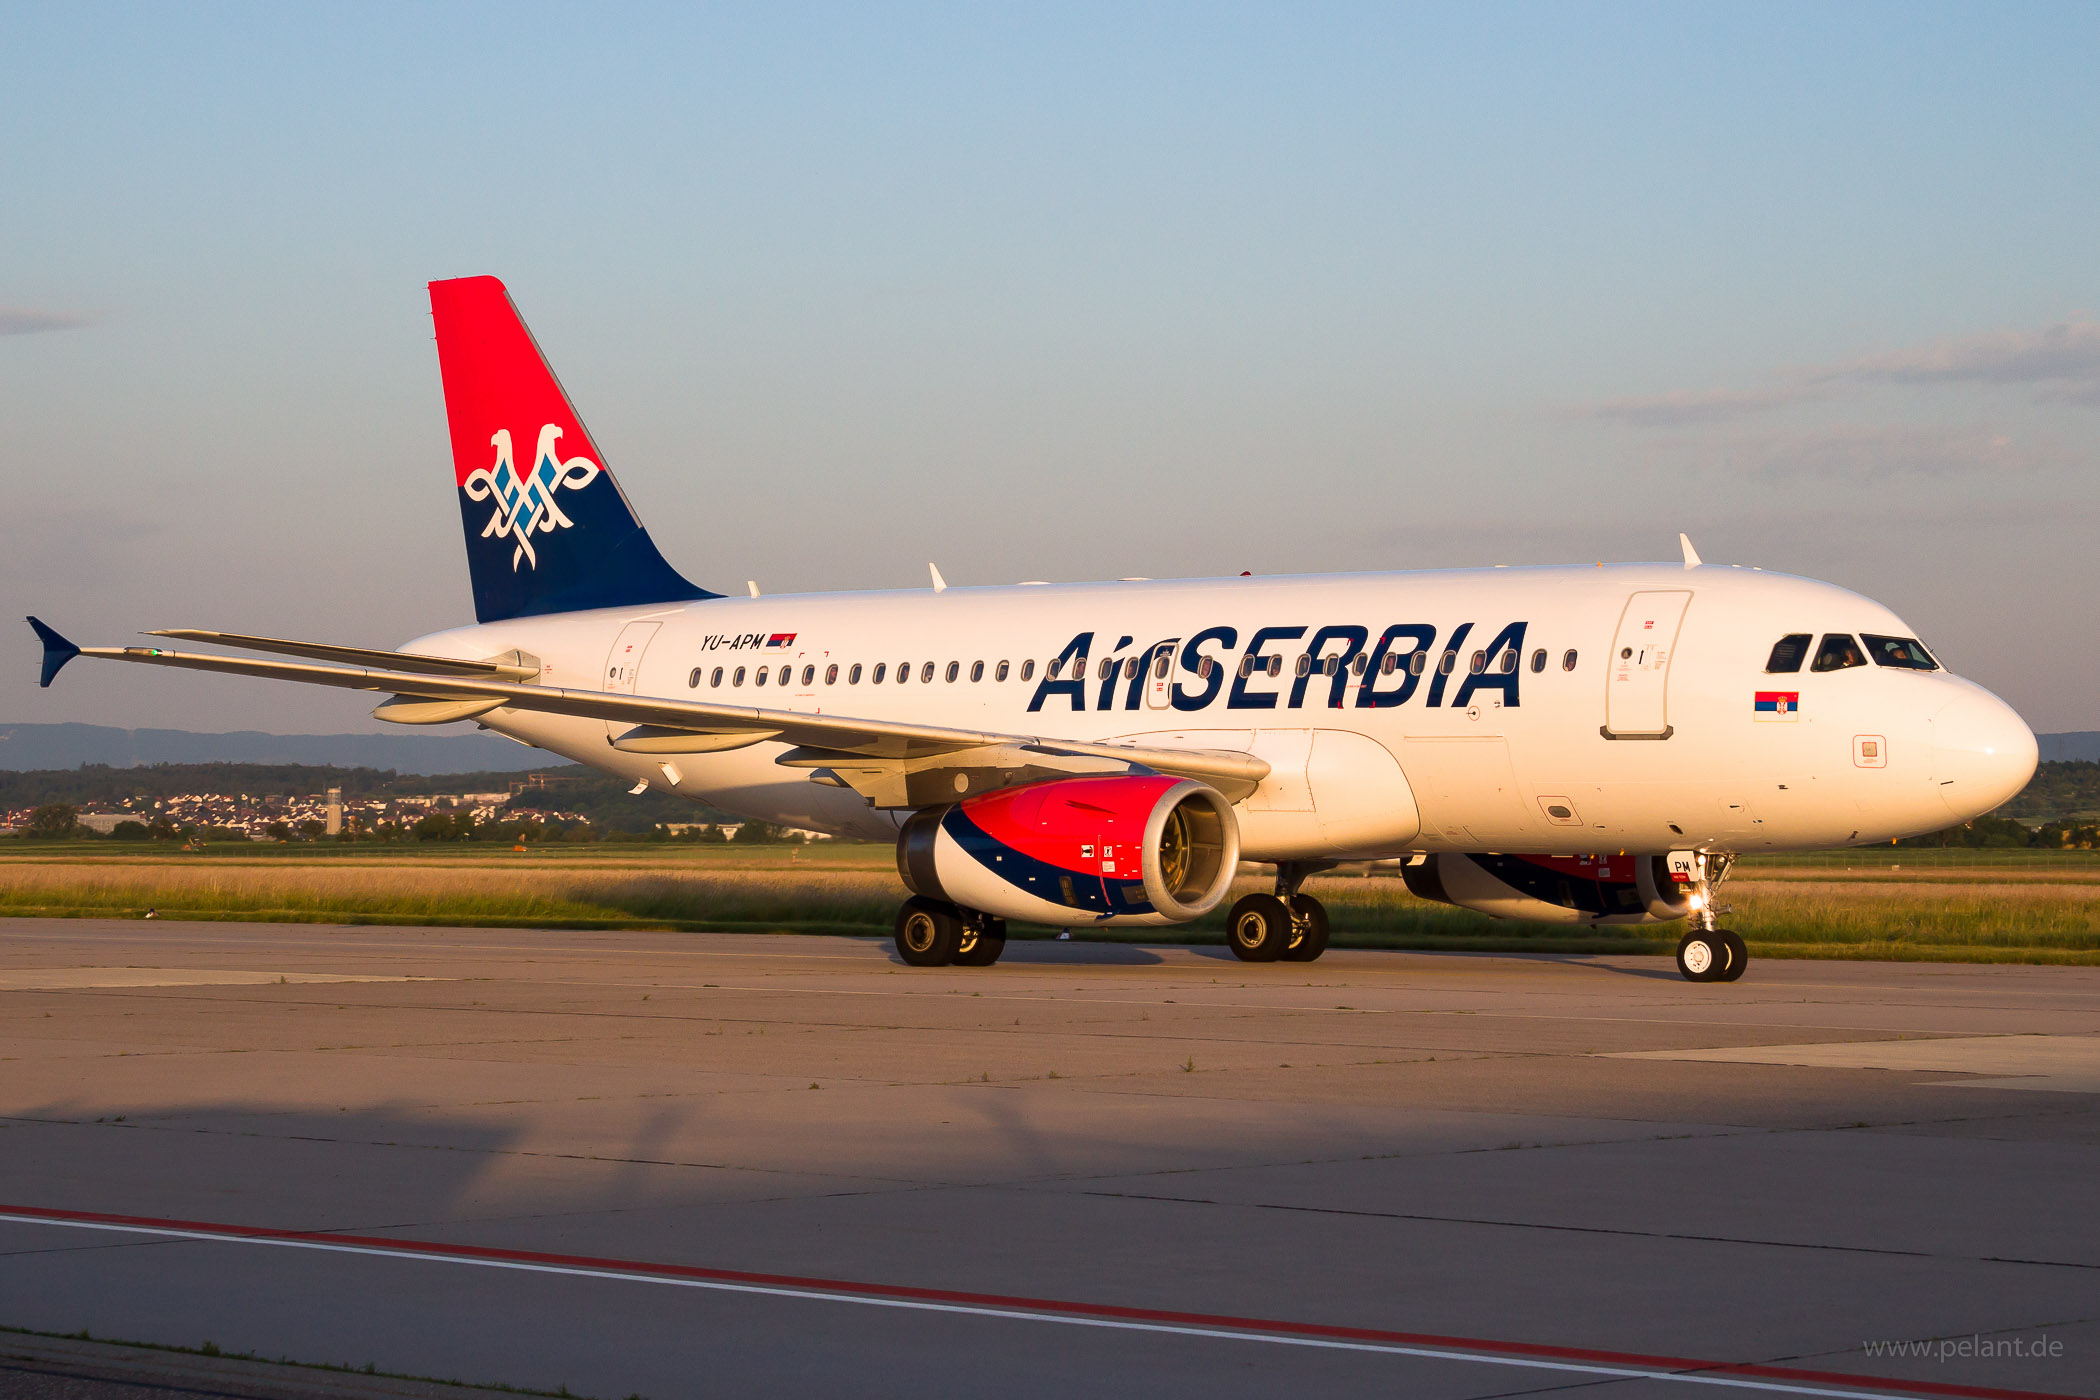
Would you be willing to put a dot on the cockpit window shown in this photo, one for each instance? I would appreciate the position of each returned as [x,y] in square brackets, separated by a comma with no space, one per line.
[1788,653]
[1907,653]
[1838,653]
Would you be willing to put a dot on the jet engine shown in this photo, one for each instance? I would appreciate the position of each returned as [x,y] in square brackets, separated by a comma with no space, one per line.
[1554,889]
[1124,849]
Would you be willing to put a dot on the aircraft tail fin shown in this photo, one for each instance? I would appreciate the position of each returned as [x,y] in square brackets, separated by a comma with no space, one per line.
[547,528]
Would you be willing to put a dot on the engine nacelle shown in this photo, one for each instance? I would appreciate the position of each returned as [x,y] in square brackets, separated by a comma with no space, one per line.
[1554,889]
[1113,850]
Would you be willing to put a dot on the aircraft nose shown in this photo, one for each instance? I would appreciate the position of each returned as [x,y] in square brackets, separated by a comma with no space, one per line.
[1983,753]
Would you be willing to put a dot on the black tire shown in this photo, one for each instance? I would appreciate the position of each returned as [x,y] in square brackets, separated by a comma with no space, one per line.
[928,932]
[1701,956]
[981,947]
[1309,936]
[1738,954]
[1259,928]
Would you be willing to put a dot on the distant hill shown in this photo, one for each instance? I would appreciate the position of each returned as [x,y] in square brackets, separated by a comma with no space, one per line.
[30,747]
[2068,748]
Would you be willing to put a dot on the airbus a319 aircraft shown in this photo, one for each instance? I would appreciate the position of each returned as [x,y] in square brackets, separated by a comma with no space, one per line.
[1577,745]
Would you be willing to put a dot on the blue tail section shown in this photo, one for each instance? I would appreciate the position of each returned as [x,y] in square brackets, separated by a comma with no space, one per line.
[547,528]
[57,651]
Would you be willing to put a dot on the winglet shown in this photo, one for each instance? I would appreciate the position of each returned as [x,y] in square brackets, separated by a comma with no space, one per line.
[1691,556]
[57,651]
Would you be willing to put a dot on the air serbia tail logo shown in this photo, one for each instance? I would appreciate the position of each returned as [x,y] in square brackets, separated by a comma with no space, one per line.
[526,504]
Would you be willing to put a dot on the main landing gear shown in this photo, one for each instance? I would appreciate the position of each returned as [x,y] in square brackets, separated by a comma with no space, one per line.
[934,933]
[1285,926]
[1707,953]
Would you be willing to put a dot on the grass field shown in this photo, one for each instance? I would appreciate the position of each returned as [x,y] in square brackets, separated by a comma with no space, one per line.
[2012,905]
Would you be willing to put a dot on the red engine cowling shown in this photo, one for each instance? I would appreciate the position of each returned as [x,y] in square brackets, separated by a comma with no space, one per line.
[1113,850]
[1553,889]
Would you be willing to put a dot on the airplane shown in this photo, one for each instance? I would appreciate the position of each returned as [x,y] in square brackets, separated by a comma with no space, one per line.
[1581,745]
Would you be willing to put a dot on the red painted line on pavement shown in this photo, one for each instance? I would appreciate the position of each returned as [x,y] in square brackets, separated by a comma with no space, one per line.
[1053,1307]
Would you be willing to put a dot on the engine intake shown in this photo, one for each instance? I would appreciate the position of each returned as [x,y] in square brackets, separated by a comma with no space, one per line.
[1553,889]
[1113,850]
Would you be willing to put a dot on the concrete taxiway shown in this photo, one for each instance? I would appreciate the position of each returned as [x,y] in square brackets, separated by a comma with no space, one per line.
[671,1165]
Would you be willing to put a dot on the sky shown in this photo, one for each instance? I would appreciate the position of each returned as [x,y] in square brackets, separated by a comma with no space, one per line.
[1057,292]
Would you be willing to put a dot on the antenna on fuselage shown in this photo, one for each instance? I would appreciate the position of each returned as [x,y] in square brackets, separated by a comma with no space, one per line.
[752,584]
[1691,556]
[940,585]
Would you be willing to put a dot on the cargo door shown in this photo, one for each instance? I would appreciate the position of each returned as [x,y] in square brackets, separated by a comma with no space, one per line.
[1468,794]
[1638,670]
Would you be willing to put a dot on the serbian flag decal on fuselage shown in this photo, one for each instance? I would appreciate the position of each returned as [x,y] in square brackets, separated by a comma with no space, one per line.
[1777,704]
[780,641]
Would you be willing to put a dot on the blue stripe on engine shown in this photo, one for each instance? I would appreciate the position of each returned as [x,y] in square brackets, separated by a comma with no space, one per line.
[1091,893]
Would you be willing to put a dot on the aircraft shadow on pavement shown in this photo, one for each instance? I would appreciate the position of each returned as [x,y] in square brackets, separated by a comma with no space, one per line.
[1051,952]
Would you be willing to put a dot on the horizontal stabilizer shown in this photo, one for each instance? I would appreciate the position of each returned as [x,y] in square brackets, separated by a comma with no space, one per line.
[57,651]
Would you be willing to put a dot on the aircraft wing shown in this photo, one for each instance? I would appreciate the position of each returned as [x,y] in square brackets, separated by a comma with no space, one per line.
[895,763]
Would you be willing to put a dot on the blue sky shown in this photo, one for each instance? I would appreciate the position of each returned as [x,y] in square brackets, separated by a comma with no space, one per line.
[1056,292]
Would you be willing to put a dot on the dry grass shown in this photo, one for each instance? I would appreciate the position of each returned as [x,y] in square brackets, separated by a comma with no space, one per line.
[1983,912]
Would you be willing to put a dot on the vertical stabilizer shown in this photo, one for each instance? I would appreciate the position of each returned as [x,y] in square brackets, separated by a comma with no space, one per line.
[547,528]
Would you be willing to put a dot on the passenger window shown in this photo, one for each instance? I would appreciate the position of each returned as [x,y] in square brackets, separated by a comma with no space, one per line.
[1130,668]
[692,682]
[1359,664]
[881,667]
[1051,674]
[1208,667]
[1389,664]
[999,674]
[1787,654]
[1028,670]
[1838,653]
[762,676]
[926,673]
[1276,665]
[853,674]
[1246,667]
[809,675]
[1509,662]
[976,671]
[1905,653]
[1161,662]
[1418,663]
[954,670]
[1331,665]
[739,676]
[1479,662]
[1108,667]
[716,678]
[1538,661]
[903,672]
[831,674]
[1567,662]
[1449,663]
[786,674]
[1304,664]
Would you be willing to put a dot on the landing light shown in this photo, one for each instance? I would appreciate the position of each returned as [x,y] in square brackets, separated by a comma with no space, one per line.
[1697,901]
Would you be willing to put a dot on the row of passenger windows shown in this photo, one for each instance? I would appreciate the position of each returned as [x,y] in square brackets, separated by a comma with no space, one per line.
[1839,652]
[1415,663]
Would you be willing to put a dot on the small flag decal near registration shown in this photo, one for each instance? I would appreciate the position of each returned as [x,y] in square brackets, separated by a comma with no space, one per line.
[1777,704]
[779,640]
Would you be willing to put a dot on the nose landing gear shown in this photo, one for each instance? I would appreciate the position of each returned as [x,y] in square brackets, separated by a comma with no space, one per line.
[1709,953]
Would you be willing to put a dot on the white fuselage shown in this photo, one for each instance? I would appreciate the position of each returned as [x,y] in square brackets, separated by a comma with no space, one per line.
[1651,742]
